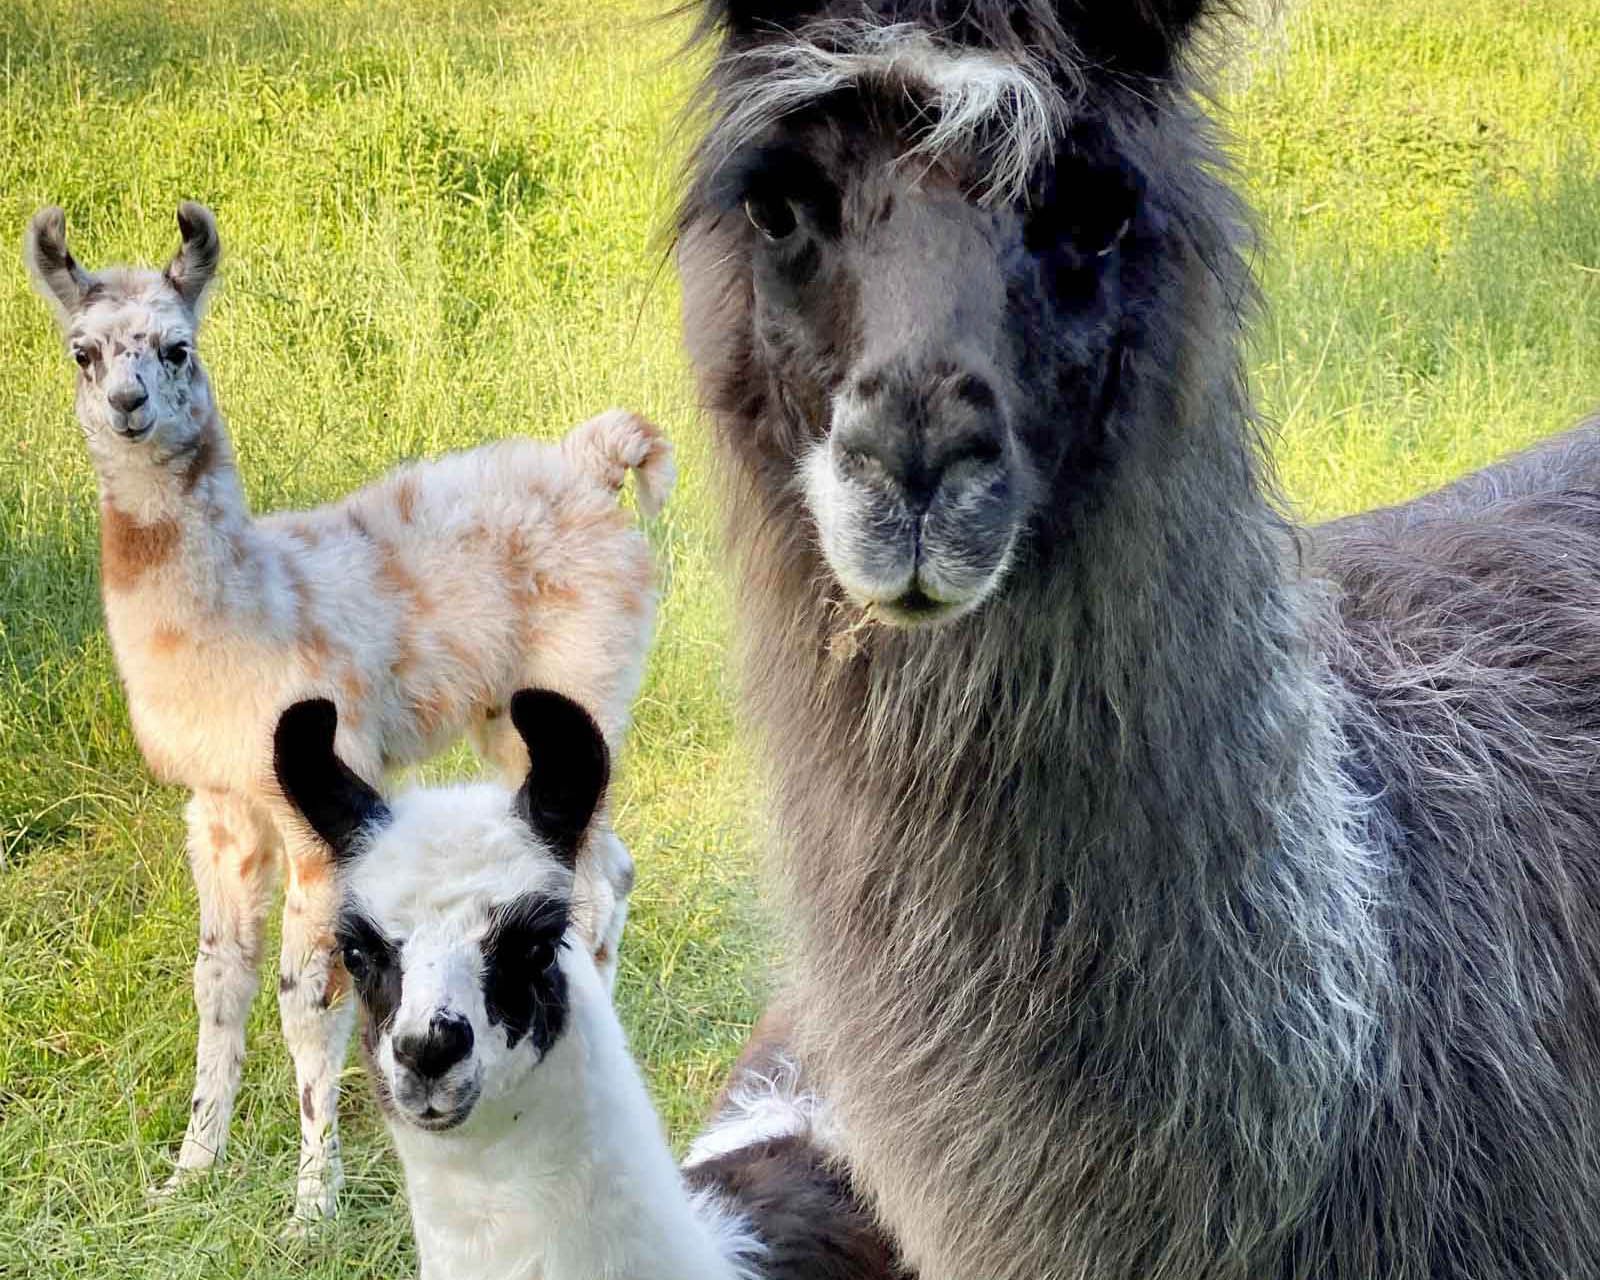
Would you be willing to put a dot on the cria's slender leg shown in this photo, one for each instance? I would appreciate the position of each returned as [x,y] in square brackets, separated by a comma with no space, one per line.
[316,1019]
[233,851]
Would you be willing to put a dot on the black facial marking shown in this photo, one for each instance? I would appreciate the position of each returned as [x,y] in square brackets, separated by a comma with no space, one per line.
[373,963]
[524,989]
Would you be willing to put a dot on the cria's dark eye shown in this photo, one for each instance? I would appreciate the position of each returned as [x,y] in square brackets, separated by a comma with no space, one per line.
[175,353]
[772,216]
[356,961]
[83,356]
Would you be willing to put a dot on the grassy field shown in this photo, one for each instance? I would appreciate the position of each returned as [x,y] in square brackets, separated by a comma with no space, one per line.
[440,221]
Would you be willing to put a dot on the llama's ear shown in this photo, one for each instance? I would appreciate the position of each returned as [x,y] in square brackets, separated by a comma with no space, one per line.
[1144,37]
[55,272]
[193,266]
[569,767]
[742,19]
[336,804]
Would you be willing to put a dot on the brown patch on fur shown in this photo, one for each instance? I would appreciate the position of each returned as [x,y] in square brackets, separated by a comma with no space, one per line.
[338,983]
[165,640]
[221,837]
[405,496]
[549,588]
[129,549]
[307,533]
[316,648]
[394,575]
[802,1206]
[307,1107]
[203,459]
[433,710]
[309,872]
[798,1199]
[405,654]
[354,688]
[251,863]
[361,527]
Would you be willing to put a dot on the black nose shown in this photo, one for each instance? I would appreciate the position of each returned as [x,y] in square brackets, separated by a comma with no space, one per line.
[447,1041]
[913,430]
[128,399]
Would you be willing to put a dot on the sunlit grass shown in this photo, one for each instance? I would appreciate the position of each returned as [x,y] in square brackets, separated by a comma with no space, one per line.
[441,227]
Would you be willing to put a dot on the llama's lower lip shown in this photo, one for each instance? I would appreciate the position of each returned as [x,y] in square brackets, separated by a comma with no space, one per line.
[432,1121]
[914,607]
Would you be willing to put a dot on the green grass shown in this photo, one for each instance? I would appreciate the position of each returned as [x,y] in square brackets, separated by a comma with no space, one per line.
[440,222]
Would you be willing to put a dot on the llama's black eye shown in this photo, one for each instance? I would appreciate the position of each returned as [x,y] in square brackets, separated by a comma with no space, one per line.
[83,356]
[356,961]
[175,353]
[772,216]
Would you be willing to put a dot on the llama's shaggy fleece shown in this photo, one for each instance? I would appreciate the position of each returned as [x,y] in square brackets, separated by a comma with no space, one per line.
[1173,894]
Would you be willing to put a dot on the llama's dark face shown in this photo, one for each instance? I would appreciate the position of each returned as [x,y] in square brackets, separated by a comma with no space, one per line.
[456,907]
[934,263]
[131,333]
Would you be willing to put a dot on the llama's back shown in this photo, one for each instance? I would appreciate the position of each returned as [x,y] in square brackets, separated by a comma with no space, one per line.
[509,564]
[1470,646]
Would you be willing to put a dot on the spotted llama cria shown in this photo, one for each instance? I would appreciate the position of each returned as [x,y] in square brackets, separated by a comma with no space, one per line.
[530,1147]
[418,603]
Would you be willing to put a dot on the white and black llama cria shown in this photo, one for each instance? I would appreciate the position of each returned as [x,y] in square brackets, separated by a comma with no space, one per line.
[530,1146]
[1173,894]
[419,604]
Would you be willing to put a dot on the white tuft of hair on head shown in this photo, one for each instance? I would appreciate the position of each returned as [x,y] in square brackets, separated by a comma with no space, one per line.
[972,92]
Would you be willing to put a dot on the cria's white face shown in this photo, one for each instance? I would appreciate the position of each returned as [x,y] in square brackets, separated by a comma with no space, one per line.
[131,332]
[456,905]
[453,929]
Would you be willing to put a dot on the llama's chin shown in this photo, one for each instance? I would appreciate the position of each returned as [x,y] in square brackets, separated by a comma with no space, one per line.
[433,1120]
[916,608]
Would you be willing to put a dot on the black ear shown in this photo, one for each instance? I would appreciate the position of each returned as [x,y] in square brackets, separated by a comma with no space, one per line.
[742,20]
[1142,37]
[569,767]
[336,804]
[56,273]
[195,263]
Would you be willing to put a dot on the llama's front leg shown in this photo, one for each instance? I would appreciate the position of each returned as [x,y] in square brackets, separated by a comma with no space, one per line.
[316,1020]
[233,853]
[604,881]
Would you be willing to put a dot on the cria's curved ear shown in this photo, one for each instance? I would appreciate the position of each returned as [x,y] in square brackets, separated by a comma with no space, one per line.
[55,272]
[569,768]
[195,263]
[335,803]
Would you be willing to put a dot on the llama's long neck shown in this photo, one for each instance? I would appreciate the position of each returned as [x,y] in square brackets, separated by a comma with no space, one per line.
[566,1178]
[1082,876]
[176,534]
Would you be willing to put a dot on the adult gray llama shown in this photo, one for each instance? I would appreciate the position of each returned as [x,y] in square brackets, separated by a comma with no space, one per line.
[1174,894]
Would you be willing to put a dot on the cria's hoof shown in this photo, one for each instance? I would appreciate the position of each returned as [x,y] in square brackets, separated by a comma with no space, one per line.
[180,1181]
[304,1228]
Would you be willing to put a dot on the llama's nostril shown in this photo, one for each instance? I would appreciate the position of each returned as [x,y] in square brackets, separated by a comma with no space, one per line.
[128,399]
[446,1042]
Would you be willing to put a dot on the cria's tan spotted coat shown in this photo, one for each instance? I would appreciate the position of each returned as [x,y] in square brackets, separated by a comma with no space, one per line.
[417,604]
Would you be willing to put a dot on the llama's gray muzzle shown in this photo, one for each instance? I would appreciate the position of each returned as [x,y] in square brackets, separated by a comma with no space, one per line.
[915,493]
